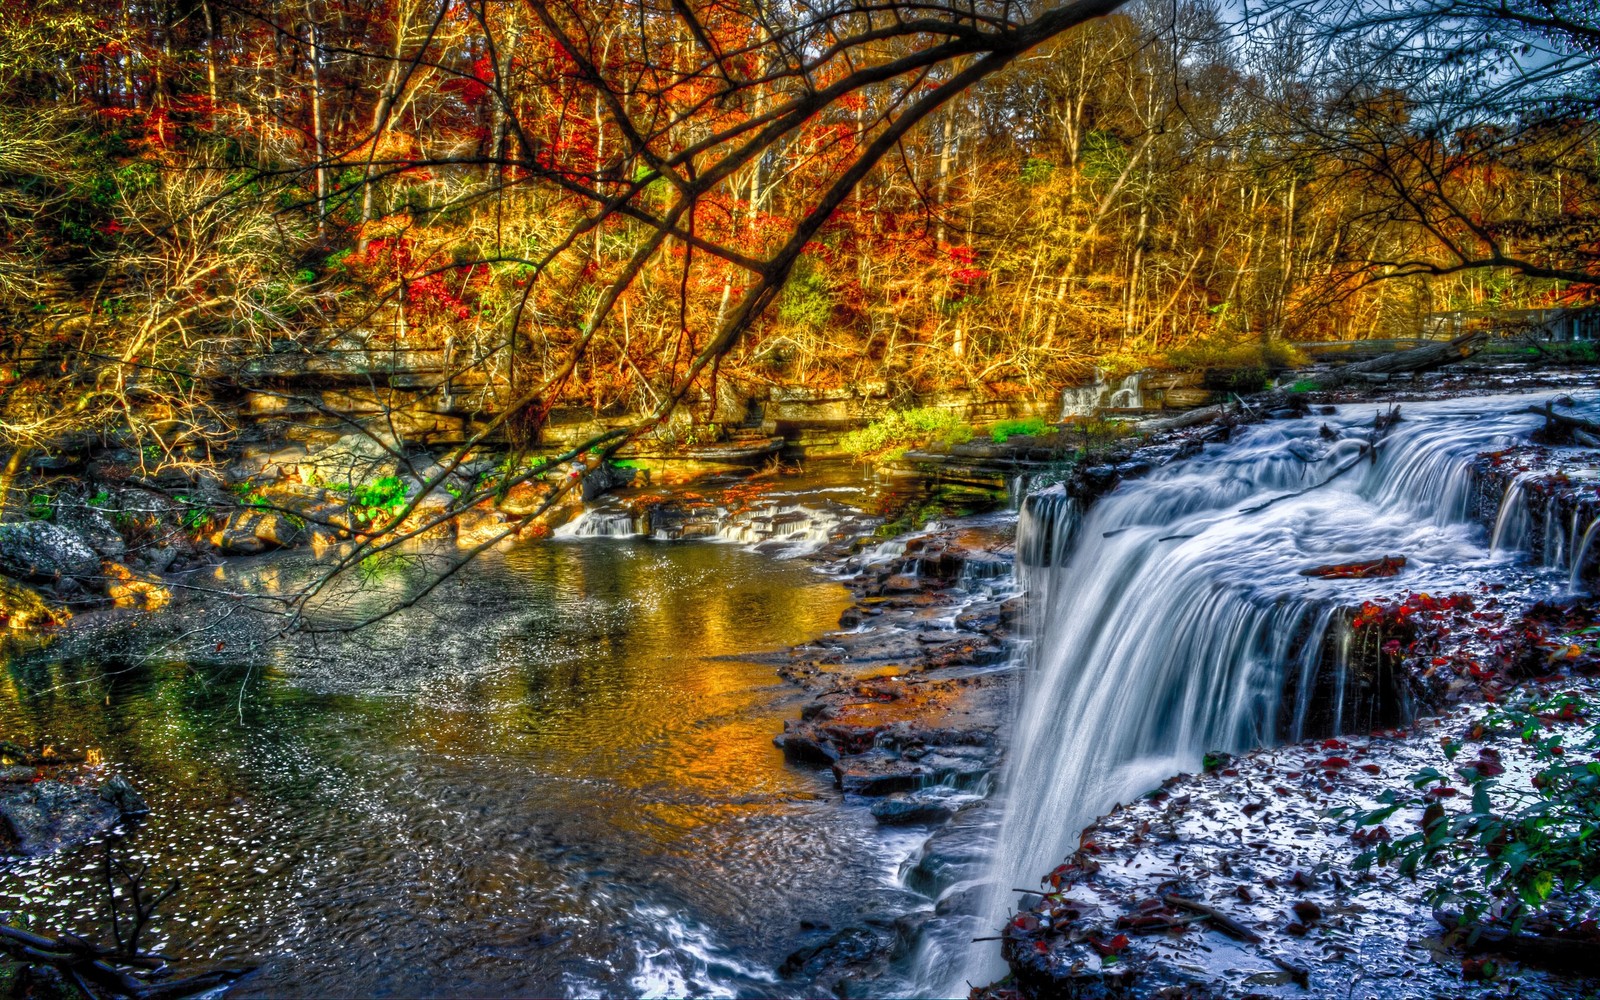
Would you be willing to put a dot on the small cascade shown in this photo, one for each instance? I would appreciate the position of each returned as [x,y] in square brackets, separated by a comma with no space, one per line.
[1130,395]
[1580,557]
[1084,400]
[1513,525]
[1174,617]
[1555,546]
[1048,528]
[605,522]
[1547,517]
[788,528]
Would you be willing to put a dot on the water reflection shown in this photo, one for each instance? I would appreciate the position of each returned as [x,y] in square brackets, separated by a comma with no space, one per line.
[551,779]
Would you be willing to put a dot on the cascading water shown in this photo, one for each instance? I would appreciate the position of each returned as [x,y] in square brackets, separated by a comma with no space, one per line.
[1129,395]
[1173,615]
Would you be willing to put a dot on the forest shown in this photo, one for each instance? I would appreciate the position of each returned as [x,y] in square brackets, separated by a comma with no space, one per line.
[602,210]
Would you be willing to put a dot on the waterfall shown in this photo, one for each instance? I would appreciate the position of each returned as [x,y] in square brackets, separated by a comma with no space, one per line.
[1171,618]
[605,522]
[1084,400]
[1130,395]
[1513,524]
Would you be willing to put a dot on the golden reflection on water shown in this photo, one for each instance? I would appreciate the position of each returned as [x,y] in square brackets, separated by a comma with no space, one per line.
[567,717]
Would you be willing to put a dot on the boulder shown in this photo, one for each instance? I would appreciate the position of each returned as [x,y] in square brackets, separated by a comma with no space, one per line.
[249,531]
[848,953]
[156,558]
[881,772]
[92,525]
[475,526]
[928,805]
[22,607]
[41,552]
[604,478]
[124,797]
[353,459]
[47,815]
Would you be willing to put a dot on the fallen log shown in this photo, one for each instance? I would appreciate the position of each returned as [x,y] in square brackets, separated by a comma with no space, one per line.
[1575,952]
[1387,566]
[1401,362]
[1194,418]
[1559,428]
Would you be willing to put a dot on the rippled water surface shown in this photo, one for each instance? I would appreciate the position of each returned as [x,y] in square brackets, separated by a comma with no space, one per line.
[557,777]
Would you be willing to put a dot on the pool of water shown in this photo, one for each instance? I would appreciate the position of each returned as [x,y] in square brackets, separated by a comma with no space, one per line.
[555,776]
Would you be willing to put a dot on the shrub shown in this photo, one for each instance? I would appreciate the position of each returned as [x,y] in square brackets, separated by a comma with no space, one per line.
[1515,851]
[1027,427]
[386,493]
[1221,352]
[890,437]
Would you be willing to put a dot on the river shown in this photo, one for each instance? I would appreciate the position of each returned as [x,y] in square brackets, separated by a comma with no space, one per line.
[556,777]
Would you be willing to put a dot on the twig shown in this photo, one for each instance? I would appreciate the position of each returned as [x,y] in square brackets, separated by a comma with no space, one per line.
[1224,923]
[1301,974]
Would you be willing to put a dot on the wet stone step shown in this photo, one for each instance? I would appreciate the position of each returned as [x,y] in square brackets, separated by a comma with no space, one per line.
[926,805]
[882,772]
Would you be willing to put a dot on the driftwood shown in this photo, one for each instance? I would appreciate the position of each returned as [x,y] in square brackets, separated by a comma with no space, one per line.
[1387,566]
[1415,360]
[1560,426]
[1381,424]
[1193,418]
[90,967]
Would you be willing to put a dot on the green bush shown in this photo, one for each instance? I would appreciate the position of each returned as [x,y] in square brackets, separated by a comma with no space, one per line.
[1516,851]
[1027,427]
[386,493]
[901,430]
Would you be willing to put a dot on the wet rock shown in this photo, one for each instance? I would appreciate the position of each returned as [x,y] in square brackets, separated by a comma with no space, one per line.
[92,525]
[958,853]
[905,808]
[156,558]
[353,459]
[803,746]
[477,527]
[880,772]
[42,552]
[124,797]
[849,951]
[48,815]
[23,608]
[246,532]
[903,583]
[604,478]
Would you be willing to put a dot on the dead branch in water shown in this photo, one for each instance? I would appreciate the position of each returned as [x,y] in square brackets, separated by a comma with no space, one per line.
[1402,362]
